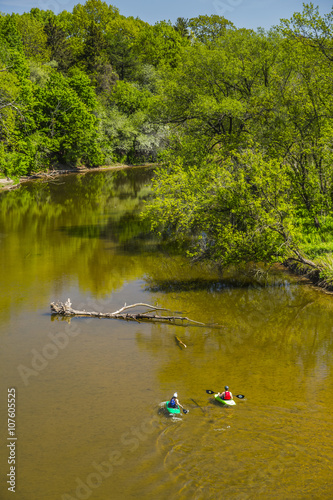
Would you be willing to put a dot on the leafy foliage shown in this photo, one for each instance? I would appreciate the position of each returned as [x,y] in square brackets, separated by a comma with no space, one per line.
[234,89]
[207,29]
[233,211]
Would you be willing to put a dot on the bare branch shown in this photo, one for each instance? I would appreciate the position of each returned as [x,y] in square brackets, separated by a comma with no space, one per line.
[65,309]
[140,304]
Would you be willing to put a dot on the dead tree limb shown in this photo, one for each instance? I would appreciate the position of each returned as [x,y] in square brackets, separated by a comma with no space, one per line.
[65,309]
[180,342]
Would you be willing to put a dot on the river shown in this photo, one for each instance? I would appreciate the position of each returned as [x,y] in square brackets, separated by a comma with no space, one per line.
[88,420]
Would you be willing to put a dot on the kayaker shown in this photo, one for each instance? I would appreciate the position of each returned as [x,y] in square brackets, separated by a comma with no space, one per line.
[226,394]
[174,403]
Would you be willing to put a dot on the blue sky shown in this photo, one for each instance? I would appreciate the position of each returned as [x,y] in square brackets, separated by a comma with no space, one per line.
[243,13]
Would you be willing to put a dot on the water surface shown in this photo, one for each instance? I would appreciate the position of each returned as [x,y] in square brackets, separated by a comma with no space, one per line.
[88,391]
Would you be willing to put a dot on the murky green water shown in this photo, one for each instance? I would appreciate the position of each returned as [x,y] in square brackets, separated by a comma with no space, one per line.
[88,392]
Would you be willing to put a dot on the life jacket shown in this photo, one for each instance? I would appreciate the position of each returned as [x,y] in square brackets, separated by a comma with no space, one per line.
[172,403]
[227,395]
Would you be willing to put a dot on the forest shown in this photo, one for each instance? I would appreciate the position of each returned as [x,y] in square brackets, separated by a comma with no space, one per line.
[238,121]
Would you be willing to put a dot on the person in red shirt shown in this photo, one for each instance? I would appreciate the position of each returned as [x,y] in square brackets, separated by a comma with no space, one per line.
[226,394]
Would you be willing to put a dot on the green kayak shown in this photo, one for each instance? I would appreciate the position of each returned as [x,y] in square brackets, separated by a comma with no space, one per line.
[172,410]
[226,402]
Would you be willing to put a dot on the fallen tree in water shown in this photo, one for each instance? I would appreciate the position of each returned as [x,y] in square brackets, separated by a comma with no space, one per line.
[65,309]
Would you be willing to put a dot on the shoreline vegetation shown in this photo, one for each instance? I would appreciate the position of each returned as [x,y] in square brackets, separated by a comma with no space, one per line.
[7,184]
[238,121]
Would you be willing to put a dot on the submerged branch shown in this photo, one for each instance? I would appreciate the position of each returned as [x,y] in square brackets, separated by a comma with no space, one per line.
[65,309]
[180,342]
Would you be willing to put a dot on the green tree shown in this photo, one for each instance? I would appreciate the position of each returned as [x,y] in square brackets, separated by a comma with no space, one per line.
[94,46]
[63,116]
[14,93]
[300,128]
[94,11]
[9,109]
[10,34]
[232,211]
[58,43]
[87,21]
[208,29]
[220,95]
[122,34]
[160,45]
[182,26]
[272,89]
[129,98]
[311,29]
[33,37]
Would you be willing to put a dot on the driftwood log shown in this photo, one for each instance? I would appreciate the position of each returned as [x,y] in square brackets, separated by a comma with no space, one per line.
[65,309]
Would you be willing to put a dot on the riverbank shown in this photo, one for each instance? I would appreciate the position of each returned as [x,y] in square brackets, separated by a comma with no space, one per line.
[316,278]
[319,278]
[8,184]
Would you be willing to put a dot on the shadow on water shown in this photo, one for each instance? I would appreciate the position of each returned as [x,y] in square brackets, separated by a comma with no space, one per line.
[207,277]
[210,285]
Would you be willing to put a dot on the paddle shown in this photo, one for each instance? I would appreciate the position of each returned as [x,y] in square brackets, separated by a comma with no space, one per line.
[240,396]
